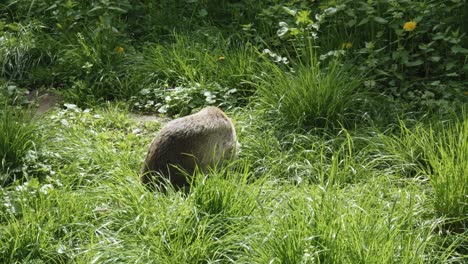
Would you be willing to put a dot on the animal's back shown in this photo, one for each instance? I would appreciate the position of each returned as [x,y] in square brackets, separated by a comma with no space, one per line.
[202,139]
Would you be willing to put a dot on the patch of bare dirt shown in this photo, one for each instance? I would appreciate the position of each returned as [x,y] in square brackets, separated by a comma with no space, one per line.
[44,101]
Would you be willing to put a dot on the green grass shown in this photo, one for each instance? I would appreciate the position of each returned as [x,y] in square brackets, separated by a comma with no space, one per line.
[314,95]
[349,225]
[18,136]
[445,151]
[199,59]
[94,65]
[328,171]
[16,52]
[298,198]
[437,152]
[448,169]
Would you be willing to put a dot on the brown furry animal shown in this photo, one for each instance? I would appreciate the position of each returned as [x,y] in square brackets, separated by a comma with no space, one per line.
[201,140]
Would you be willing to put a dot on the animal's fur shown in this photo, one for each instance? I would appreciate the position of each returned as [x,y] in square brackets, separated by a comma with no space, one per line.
[203,139]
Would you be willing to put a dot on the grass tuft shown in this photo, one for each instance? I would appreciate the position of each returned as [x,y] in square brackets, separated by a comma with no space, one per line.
[446,153]
[314,95]
[18,136]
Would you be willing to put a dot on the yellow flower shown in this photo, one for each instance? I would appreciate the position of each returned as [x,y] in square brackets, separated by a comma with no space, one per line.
[119,49]
[347,45]
[409,26]
[221,58]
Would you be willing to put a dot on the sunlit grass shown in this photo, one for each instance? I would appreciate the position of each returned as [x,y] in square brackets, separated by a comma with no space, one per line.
[314,95]
[324,174]
[359,223]
[299,198]
[187,59]
[446,154]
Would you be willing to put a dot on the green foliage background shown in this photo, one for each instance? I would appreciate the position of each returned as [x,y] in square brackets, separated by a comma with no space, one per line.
[74,44]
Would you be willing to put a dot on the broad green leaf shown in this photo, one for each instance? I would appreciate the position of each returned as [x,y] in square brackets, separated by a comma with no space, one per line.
[414,63]
[380,20]
[351,23]
[459,49]
[364,21]
[118,9]
[292,12]
[203,12]
[453,74]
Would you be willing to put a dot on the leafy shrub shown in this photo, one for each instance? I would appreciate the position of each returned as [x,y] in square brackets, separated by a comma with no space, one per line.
[69,17]
[151,19]
[143,19]
[416,50]
[182,99]
[83,40]
[11,94]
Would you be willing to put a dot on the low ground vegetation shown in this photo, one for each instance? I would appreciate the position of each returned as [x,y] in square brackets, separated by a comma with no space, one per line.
[351,116]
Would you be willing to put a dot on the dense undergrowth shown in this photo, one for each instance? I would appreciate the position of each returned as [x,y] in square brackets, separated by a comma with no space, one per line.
[351,116]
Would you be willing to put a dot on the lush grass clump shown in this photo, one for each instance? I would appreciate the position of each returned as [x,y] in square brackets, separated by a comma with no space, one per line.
[444,153]
[314,95]
[45,223]
[201,59]
[21,52]
[94,67]
[18,136]
[447,152]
